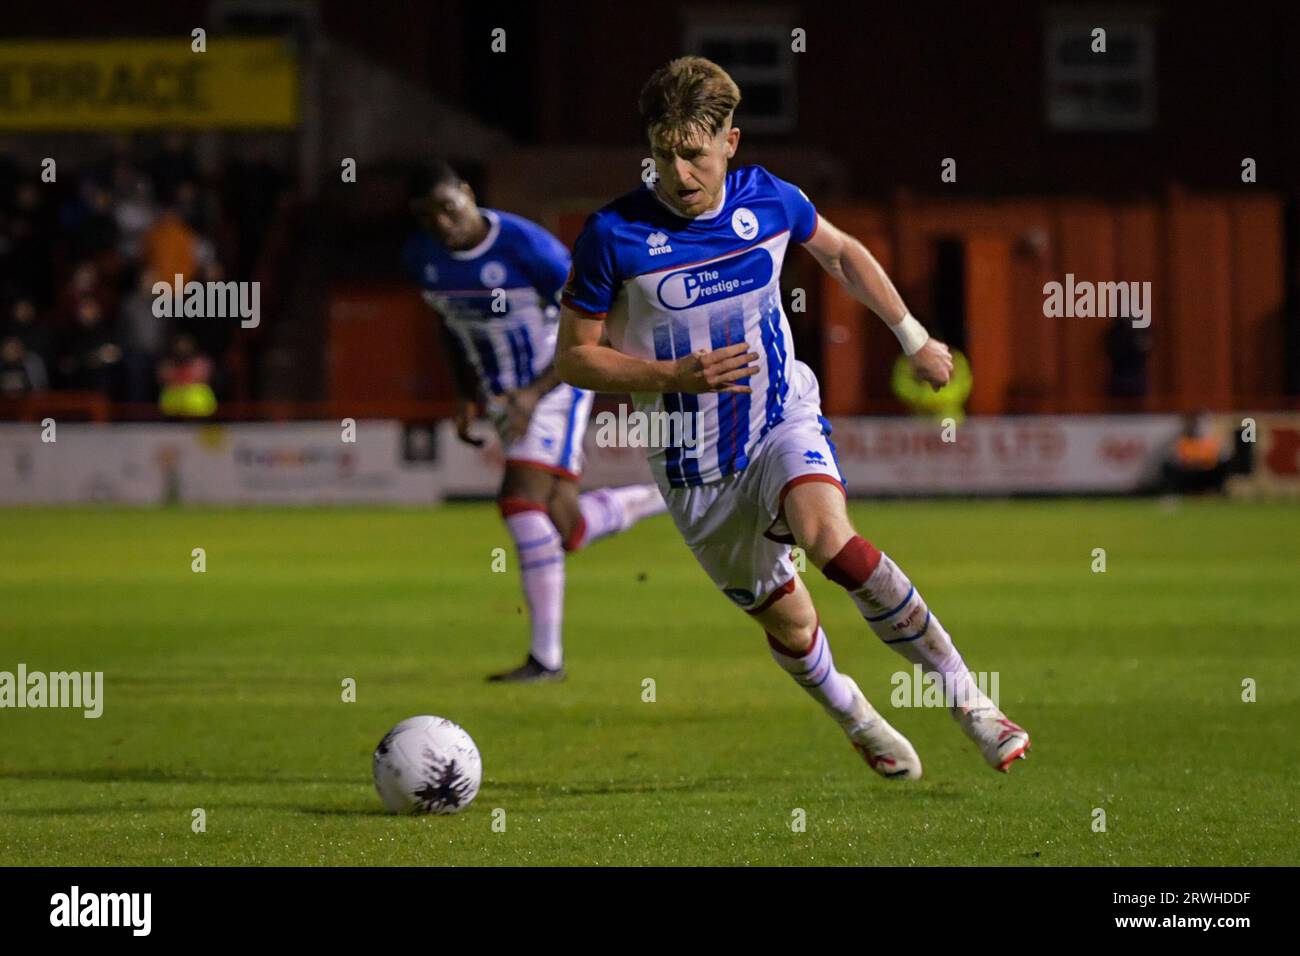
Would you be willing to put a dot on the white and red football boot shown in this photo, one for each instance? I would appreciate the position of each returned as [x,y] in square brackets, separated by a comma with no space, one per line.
[885,750]
[1000,740]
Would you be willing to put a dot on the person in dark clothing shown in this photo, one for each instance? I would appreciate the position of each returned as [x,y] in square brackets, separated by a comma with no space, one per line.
[90,357]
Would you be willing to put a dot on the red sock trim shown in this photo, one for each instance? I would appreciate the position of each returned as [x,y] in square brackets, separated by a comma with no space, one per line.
[782,591]
[511,505]
[577,537]
[855,563]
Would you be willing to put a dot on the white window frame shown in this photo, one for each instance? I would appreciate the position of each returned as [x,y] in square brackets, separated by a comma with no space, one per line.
[781,74]
[1063,23]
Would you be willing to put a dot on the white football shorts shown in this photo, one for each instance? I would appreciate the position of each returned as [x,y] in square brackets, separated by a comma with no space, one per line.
[735,527]
[553,441]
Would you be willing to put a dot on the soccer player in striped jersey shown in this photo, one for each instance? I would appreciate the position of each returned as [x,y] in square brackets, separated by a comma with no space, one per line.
[674,297]
[494,279]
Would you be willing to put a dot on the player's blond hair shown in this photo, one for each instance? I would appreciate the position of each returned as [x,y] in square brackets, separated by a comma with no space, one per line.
[687,98]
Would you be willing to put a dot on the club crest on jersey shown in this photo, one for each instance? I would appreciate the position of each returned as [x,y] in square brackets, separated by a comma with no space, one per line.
[716,280]
[745,223]
[430,272]
[492,274]
[658,244]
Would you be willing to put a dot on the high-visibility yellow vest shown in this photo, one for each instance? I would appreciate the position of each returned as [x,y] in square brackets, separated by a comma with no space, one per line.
[921,399]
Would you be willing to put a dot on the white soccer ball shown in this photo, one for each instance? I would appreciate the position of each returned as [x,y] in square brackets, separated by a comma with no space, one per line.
[427,765]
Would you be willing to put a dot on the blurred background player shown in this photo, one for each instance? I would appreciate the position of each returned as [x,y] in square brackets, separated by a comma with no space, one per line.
[494,279]
[687,329]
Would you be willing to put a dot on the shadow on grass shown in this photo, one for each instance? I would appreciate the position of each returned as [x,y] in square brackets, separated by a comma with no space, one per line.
[120,808]
[161,775]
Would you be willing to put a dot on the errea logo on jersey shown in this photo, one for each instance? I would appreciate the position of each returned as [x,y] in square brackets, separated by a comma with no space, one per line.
[658,243]
[720,279]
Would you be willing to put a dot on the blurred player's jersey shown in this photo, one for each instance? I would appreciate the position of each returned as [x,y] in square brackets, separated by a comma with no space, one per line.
[508,347]
[668,286]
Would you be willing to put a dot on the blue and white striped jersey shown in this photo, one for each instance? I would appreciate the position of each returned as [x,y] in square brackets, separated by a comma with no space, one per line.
[668,286]
[510,347]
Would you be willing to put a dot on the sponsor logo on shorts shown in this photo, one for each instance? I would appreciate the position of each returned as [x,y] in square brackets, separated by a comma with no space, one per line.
[740,596]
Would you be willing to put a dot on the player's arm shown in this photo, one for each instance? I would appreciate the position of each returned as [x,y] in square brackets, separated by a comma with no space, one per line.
[849,261]
[468,407]
[583,358]
[520,403]
[462,372]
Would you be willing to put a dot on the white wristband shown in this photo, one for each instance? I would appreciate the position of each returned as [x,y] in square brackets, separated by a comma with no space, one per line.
[911,334]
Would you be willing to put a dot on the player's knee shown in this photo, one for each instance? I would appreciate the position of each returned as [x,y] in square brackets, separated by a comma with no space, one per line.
[572,527]
[822,540]
[791,638]
[817,516]
[515,503]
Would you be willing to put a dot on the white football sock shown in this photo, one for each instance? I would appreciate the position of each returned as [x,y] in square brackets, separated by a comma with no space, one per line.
[607,511]
[541,564]
[900,617]
[815,672]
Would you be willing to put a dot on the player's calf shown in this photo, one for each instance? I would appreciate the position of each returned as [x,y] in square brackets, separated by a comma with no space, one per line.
[587,517]
[540,552]
[896,612]
[800,647]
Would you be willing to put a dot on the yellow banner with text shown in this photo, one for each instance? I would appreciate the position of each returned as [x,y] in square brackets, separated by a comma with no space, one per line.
[71,85]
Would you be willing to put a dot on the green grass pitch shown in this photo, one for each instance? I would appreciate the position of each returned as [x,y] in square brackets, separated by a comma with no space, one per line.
[223,692]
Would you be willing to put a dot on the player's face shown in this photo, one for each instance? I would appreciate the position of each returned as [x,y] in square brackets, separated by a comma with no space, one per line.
[691,176]
[450,213]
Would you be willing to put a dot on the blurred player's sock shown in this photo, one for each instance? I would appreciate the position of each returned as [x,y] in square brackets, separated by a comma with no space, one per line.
[815,672]
[541,563]
[607,511]
[898,614]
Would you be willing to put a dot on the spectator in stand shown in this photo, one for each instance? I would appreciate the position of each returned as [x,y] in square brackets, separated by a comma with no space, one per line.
[1199,460]
[27,241]
[21,323]
[142,335]
[1128,349]
[173,164]
[73,259]
[88,220]
[186,379]
[20,373]
[90,358]
[171,247]
[133,207]
[85,282]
